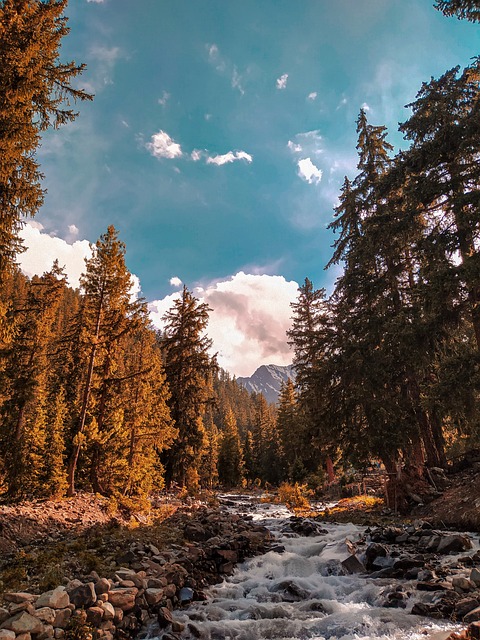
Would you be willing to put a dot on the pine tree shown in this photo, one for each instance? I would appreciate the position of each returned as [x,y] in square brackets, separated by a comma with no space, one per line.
[27,382]
[230,462]
[462,9]
[189,368]
[35,91]
[107,315]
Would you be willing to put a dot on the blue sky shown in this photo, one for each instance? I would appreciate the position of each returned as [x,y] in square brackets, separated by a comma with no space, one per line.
[220,134]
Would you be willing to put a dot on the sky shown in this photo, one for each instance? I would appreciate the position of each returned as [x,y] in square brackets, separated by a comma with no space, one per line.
[218,139]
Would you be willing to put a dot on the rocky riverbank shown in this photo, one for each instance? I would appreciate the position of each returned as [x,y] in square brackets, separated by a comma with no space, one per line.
[144,585]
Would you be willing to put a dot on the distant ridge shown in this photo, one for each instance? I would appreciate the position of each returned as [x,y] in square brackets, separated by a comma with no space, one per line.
[268,380]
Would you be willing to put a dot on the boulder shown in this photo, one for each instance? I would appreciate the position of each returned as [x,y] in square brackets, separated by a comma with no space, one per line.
[19,597]
[6,634]
[83,596]
[462,583]
[464,606]
[154,596]
[108,611]
[45,614]
[164,617]
[123,598]
[56,599]
[454,543]
[23,623]
[475,576]
[473,631]
[353,565]
[4,615]
[102,586]
[185,595]
[62,616]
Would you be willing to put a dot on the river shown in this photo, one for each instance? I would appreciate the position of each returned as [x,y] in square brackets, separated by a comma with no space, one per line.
[300,593]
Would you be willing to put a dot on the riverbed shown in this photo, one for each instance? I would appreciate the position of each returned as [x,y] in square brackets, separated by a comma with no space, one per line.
[300,591]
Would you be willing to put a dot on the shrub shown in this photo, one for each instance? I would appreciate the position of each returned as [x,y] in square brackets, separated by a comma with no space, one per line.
[293,495]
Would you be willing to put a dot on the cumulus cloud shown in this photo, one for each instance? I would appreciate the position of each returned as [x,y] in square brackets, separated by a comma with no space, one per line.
[312,96]
[176,282]
[248,322]
[42,250]
[73,229]
[231,156]
[196,155]
[162,146]
[308,171]
[282,81]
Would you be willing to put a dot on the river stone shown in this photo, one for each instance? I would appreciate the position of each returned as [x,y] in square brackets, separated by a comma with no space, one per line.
[23,606]
[464,606]
[472,616]
[475,576]
[23,623]
[27,636]
[102,586]
[56,599]
[58,634]
[47,633]
[460,582]
[353,565]
[19,597]
[94,616]
[164,617]
[45,614]
[108,611]
[450,544]
[84,595]
[62,616]
[124,599]
[7,634]
[4,615]
[154,596]
[185,595]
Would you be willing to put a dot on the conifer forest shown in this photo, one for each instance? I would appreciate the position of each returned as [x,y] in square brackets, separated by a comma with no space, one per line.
[94,398]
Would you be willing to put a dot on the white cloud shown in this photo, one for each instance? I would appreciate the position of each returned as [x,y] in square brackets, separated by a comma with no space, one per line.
[42,250]
[164,99]
[342,103]
[294,147]
[96,1]
[212,51]
[176,282]
[308,171]
[196,155]
[162,146]
[231,156]
[282,81]
[73,229]
[312,96]
[365,107]
[248,322]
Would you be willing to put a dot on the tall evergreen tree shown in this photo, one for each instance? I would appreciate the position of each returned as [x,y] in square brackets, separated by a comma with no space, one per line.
[189,368]
[107,314]
[35,90]
[230,462]
[462,9]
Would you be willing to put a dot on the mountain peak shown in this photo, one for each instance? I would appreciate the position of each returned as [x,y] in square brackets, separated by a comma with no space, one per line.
[268,379]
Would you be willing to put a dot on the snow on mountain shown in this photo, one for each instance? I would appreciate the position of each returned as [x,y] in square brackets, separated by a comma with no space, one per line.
[268,380]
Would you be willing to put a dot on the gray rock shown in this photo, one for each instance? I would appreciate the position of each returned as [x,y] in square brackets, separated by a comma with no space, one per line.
[472,616]
[475,576]
[454,543]
[62,616]
[353,565]
[23,623]
[56,599]
[154,596]
[186,595]
[19,597]
[460,582]
[6,634]
[45,614]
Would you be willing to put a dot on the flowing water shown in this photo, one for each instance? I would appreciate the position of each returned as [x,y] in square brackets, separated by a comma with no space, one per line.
[301,593]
